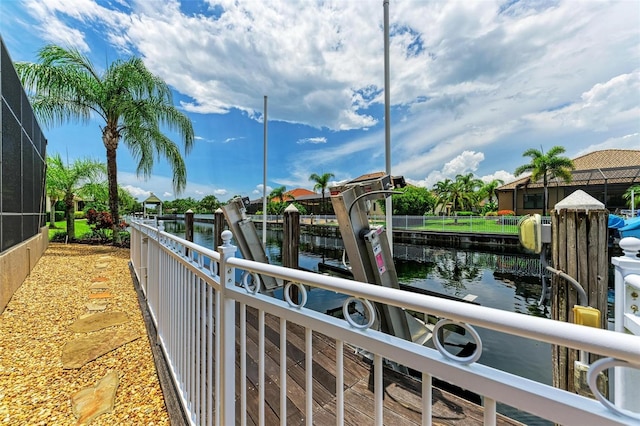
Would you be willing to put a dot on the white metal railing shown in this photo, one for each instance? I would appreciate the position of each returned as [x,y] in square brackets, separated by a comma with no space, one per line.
[192,294]
[627,317]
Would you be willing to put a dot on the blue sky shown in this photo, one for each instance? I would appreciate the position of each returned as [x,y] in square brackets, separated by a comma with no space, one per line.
[473,83]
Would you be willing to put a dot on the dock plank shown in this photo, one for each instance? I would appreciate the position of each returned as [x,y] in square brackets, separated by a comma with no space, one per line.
[402,394]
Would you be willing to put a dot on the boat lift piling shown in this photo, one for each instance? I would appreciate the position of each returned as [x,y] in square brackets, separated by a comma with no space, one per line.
[579,251]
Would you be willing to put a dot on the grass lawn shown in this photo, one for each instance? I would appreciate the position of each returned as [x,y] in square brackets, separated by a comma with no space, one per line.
[492,225]
[81,228]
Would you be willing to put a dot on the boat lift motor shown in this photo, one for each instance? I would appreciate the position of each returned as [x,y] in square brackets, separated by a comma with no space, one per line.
[246,236]
[369,253]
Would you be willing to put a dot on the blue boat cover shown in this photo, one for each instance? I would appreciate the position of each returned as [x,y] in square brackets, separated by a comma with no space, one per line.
[615,222]
[631,228]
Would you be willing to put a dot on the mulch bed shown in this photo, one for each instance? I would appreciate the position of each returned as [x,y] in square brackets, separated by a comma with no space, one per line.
[35,325]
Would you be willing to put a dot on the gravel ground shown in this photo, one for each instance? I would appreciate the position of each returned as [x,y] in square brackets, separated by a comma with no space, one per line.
[34,388]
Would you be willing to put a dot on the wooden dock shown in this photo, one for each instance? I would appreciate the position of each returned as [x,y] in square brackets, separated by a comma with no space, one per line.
[402,394]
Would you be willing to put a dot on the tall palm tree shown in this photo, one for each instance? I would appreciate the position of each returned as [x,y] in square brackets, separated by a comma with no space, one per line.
[322,181]
[469,185]
[69,180]
[460,197]
[547,166]
[131,102]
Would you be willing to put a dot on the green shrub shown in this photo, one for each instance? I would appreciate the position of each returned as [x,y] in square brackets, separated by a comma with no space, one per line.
[491,214]
[464,213]
[79,215]
[59,237]
[59,215]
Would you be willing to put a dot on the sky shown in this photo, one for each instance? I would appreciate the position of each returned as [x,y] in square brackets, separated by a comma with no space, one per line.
[473,84]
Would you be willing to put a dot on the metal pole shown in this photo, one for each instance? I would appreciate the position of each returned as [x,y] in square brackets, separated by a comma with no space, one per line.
[264,180]
[387,123]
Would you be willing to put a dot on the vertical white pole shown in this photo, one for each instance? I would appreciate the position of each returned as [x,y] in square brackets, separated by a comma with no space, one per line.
[225,326]
[264,180]
[387,123]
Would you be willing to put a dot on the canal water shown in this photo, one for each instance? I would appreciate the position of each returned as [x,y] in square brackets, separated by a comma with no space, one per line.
[499,280]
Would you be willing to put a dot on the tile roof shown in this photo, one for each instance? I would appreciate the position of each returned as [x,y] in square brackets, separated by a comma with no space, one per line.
[616,165]
[299,192]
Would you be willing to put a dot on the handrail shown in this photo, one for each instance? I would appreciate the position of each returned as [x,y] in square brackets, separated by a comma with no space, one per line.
[603,342]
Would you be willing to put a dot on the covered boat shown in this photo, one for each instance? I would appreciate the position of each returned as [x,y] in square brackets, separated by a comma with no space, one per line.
[631,228]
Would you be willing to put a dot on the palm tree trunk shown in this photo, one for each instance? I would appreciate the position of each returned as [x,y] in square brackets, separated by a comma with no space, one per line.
[545,199]
[69,210]
[110,140]
[52,213]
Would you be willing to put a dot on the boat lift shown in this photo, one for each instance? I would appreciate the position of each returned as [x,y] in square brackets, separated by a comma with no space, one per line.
[369,253]
[246,236]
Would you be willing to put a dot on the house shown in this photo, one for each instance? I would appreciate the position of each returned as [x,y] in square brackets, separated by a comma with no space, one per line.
[605,175]
[307,198]
[312,200]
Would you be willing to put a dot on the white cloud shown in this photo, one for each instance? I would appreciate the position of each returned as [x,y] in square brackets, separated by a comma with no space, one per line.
[466,162]
[259,189]
[631,141]
[502,175]
[137,192]
[312,140]
[602,106]
[227,140]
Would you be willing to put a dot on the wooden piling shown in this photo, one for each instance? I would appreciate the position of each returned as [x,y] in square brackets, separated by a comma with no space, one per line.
[291,242]
[579,249]
[188,225]
[218,227]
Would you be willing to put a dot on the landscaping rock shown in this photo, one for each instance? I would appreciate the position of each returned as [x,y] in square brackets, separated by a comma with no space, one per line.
[78,352]
[98,321]
[89,403]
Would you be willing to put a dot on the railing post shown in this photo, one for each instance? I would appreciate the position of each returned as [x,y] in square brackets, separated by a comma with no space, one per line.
[626,393]
[225,328]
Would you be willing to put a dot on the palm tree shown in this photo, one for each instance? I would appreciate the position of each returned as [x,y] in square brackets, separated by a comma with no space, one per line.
[636,196]
[459,196]
[130,101]
[469,185]
[322,181]
[488,190]
[280,193]
[442,189]
[70,179]
[55,192]
[547,167]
